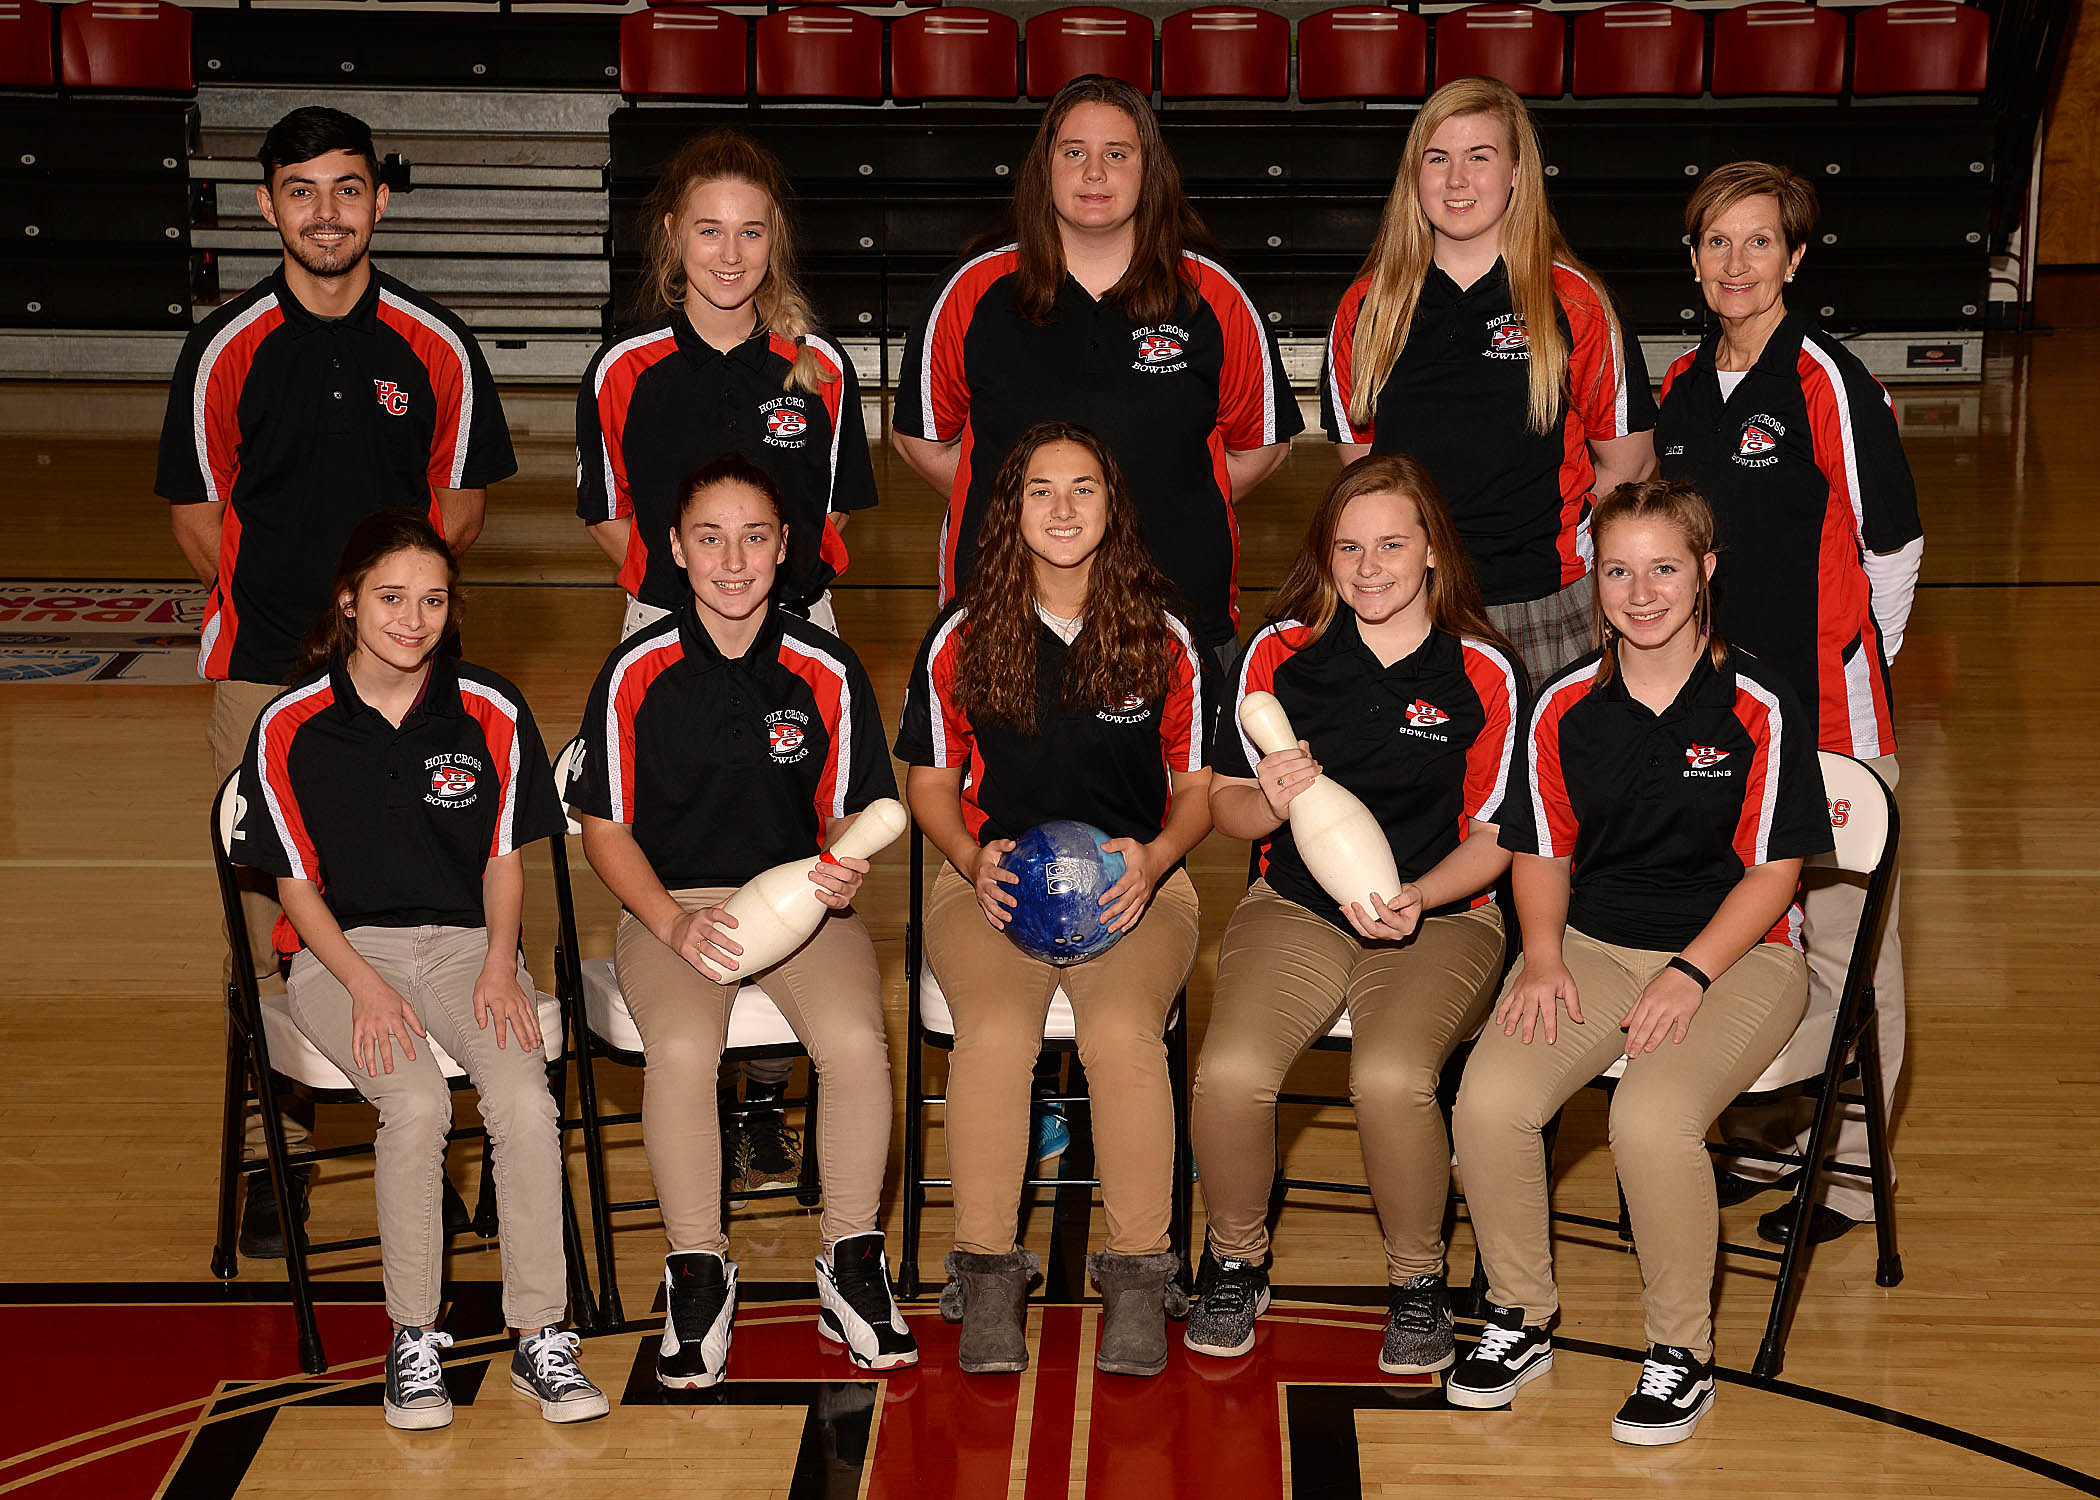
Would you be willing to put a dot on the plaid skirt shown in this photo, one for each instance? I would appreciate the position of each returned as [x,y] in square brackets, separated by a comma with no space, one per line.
[1550,632]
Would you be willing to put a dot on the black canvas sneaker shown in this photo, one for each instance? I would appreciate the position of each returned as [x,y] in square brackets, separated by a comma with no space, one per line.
[544,1368]
[416,1399]
[1507,1355]
[1675,1391]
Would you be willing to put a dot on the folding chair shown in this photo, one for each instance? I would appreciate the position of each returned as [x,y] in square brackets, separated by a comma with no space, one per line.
[602,1026]
[1826,1052]
[929,1024]
[266,1052]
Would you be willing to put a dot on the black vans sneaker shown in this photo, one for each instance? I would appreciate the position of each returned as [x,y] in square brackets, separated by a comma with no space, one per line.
[855,1307]
[1231,1294]
[700,1293]
[1507,1355]
[416,1399]
[1676,1390]
[1418,1328]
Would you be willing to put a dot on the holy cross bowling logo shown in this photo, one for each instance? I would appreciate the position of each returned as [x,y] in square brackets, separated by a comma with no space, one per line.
[1704,757]
[1755,441]
[784,423]
[1426,715]
[1758,446]
[787,736]
[1157,349]
[784,739]
[451,784]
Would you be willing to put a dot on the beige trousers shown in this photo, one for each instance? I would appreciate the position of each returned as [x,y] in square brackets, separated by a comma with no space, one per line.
[1284,975]
[999,998]
[1659,1115]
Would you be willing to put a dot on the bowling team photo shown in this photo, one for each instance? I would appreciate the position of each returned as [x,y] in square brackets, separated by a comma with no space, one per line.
[956,751]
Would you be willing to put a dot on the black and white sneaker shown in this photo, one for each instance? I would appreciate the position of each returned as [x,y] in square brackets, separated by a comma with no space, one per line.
[700,1293]
[1418,1328]
[1231,1293]
[416,1399]
[855,1307]
[544,1368]
[1507,1355]
[1676,1390]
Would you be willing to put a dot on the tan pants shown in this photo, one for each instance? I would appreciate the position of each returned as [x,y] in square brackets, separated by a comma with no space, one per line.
[830,991]
[235,706]
[434,969]
[1832,902]
[1284,975]
[1659,1115]
[1121,1000]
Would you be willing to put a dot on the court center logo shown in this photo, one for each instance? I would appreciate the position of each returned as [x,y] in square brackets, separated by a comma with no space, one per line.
[1757,446]
[787,422]
[1508,338]
[455,780]
[787,736]
[1161,349]
[392,399]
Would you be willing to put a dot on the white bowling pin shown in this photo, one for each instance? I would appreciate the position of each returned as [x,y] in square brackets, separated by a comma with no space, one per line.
[776,910]
[1340,842]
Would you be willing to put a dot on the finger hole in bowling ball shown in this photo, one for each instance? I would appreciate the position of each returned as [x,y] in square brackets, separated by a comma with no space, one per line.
[1063,872]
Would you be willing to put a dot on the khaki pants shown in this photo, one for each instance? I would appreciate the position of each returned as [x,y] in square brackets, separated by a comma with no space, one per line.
[1659,1115]
[1284,975]
[235,706]
[1000,998]
[434,969]
[830,991]
[1832,902]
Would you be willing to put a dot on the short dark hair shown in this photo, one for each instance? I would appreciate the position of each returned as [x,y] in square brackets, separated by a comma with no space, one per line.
[315,130]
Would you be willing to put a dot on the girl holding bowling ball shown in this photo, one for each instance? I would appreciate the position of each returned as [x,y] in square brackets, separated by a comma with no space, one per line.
[1381,653]
[1060,685]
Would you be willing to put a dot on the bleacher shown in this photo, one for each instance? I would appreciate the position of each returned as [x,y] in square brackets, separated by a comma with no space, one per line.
[901,127]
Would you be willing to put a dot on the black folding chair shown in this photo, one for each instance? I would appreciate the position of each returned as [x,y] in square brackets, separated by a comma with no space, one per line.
[267,1053]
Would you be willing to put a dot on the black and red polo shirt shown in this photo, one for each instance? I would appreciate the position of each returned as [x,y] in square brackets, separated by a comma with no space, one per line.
[659,401]
[395,825]
[303,426]
[1426,744]
[1459,399]
[1110,766]
[1661,814]
[1169,399]
[726,766]
[1804,468]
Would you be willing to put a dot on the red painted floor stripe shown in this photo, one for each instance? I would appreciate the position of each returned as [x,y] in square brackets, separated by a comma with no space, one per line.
[1056,1389]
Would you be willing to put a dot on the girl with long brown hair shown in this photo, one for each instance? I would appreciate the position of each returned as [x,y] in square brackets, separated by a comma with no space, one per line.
[1058,686]
[1402,692]
[1101,302]
[1474,340]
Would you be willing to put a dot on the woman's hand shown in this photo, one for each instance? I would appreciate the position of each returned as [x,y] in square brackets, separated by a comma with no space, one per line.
[838,880]
[1393,922]
[1284,775]
[1127,899]
[990,877]
[378,1018]
[701,939]
[1532,998]
[1665,1009]
[499,998]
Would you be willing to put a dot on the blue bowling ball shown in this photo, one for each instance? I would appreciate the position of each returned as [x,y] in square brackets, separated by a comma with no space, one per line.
[1064,873]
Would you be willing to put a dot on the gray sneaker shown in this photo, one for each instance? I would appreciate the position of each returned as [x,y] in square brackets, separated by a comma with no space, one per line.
[1231,1294]
[1418,1328]
[416,1399]
[544,1368]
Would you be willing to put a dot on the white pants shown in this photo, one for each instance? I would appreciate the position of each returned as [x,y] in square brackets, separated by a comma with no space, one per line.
[640,614]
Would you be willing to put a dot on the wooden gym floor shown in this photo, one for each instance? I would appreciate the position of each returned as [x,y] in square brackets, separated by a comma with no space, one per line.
[129,1371]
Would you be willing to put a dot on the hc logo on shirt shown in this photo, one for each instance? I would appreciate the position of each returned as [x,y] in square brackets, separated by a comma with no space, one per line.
[1157,348]
[391,397]
[785,423]
[451,783]
[1426,715]
[1701,757]
[784,739]
[1757,448]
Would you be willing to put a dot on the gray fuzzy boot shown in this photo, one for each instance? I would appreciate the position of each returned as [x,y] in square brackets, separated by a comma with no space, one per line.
[988,1295]
[1137,1294]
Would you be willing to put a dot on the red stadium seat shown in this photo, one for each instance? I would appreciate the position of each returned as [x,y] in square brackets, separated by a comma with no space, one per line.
[137,46]
[1363,52]
[1920,47]
[1519,44]
[819,52]
[1640,50]
[1780,47]
[956,53]
[682,52]
[25,45]
[1063,44]
[1225,52]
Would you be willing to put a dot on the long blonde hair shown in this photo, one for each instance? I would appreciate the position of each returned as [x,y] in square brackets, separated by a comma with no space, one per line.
[1401,255]
[782,306]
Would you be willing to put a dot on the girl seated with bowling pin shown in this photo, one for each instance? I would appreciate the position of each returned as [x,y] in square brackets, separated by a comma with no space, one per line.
[390,790]
[730,737]
[1381,655]
[1058,685]
[1673,794]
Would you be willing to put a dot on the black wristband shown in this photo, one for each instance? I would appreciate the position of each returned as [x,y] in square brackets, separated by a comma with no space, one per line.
[1685,966]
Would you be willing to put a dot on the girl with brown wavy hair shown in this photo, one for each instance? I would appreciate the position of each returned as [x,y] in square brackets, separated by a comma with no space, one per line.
[1382,657]
[1060,687]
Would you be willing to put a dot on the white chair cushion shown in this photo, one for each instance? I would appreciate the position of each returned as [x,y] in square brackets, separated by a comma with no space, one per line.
[295,1057]
[1799,1060]
[754,1020]
[1341,1030]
